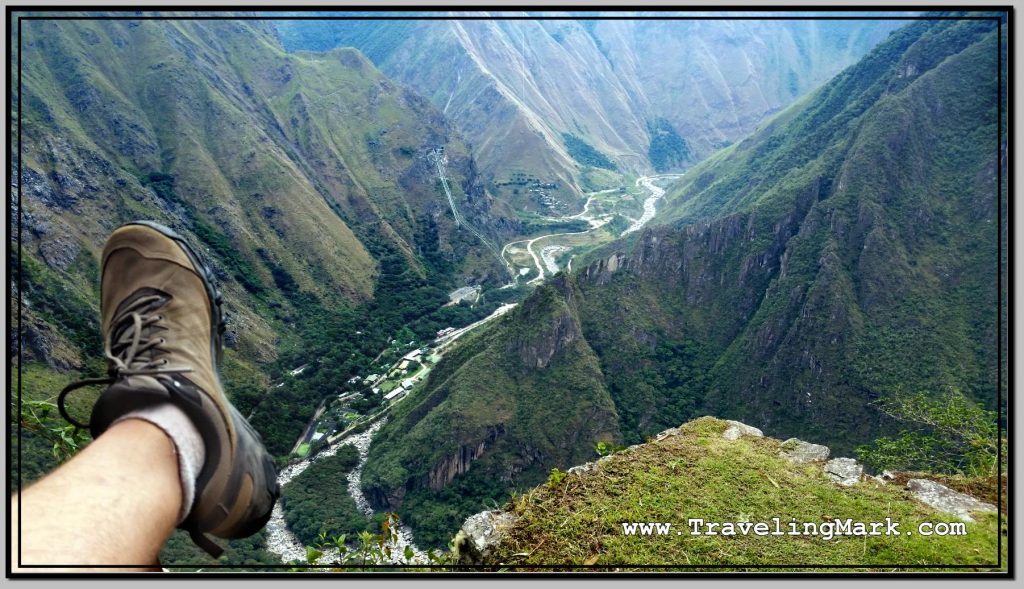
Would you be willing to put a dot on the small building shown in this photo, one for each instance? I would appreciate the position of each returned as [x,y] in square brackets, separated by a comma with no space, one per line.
[376,390]
[316,436]
[395,393]
[413,355]
[408,384]
[404,365]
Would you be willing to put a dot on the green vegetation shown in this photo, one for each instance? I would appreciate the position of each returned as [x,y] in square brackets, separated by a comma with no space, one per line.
[317,501]
[586,154]
[540,226]
[838,254]
[699,474]
[948,434]
[465,409]
[245,553]
[668,150]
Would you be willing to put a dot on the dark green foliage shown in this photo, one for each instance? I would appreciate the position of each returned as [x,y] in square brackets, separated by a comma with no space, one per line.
[539,226]
[495,391]
[437,516]
[73,312]
[667,150]
[939,433]
[586,154]
[180,554]
[317,500]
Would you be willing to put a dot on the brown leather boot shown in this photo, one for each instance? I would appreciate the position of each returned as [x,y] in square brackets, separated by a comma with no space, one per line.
[162,329]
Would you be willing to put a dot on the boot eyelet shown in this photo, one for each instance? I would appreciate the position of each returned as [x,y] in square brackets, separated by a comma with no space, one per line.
[163,341]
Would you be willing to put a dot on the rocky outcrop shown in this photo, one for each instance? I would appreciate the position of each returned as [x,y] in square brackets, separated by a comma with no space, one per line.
[550,323]
[736,430]
[480,532]
[458,463]
[844,471]
[942,498]
[801,452]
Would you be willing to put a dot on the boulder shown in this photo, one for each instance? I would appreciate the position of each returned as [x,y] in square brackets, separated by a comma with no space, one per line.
[737,430]
[672,431]
[801,452]
[481,532]
[844,471]
[942,498]
[583,468]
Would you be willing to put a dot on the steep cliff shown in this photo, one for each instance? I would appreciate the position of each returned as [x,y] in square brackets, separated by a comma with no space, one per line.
[463,439]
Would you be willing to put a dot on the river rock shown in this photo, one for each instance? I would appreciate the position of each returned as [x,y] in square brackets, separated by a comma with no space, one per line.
[481,532]
[801,452]
[844,471]
[737,430]
[942,498]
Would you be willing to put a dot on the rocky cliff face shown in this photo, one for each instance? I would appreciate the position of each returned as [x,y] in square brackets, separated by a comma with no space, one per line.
[557,331]
[464,435]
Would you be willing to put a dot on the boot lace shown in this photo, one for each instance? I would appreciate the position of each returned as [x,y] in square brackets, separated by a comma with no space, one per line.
[132,347]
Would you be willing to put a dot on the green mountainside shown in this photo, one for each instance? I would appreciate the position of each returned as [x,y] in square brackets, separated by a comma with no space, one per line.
[841,255]
[304,177]
[692,477]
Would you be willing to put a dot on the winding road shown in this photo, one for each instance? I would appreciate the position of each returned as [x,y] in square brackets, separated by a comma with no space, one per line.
[545,262]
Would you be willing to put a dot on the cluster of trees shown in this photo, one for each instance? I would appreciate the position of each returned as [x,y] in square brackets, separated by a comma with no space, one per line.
[340,341]
[317,501]
[667,149]
[586,153]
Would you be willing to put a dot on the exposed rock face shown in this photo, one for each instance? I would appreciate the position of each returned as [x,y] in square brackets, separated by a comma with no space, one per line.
[844,471]
[946,500]
[444,471]
[736,430]
[558,325]
[480,532]
[800,452]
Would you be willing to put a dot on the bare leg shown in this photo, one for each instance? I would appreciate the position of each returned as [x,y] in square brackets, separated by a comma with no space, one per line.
[114,503]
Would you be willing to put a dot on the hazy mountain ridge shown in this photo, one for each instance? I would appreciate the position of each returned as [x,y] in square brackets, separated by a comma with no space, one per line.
[514,87]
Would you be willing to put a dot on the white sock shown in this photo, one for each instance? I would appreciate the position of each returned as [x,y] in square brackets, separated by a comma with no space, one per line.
[187,442]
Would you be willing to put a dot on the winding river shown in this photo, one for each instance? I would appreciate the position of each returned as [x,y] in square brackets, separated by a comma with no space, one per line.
[282,542]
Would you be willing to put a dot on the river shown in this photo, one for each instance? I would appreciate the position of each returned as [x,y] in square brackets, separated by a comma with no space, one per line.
[282,542]
[545,262]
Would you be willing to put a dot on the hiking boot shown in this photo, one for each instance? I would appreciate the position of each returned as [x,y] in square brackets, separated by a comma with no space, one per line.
[162,331]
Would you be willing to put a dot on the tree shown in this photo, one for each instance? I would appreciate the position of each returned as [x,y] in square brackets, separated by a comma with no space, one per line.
[944,434]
